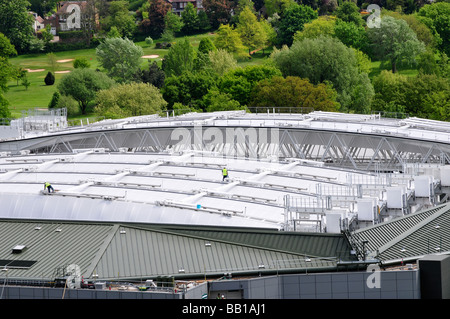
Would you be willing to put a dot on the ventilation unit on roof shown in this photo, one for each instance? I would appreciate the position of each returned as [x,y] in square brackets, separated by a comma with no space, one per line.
[18,249]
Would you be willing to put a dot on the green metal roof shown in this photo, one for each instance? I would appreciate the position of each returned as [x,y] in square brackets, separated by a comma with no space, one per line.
[408,237]
[130,252]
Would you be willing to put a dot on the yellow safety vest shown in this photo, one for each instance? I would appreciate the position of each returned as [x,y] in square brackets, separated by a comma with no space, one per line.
[224,172]
[47,184]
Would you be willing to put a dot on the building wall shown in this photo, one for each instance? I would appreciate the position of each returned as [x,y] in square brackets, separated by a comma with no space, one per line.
[352,285]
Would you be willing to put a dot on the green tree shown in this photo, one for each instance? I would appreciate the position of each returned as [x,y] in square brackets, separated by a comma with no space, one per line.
[222,61]
[294,92]
[26,82]
[252,32]
[293,19]
[120,18]
[173,22]
[190,19]
[322,26]
[239,82]
[437,17]
[277,6]
[206,45]
[203,21]
[328,60]
[423,32]
[349,12]
[81,62]
[395,41]
[16,24]
[6,48]
[390,92]
[83,84]
[121,58]
[215,101]
[229,39]
[352,35]
[7,72]
[188,89]
[130,99]
[54,101]
[180,58]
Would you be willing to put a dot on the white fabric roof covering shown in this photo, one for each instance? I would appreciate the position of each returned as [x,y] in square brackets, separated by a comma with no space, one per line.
[159,188]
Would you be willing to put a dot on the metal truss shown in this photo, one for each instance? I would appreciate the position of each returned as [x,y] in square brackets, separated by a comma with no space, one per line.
[362,151]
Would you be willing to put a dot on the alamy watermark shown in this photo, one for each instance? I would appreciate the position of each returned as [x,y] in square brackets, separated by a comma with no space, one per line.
[374,279]
[74,19]
[374,20]
[247,142]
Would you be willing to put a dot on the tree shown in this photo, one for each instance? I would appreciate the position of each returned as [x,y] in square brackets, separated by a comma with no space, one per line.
[206,45]
[395,41]
[294,92]
[277,6]
[81,62]
[327,60]
[172,22]
[423,32]
[293,19]
[121,58]
[203,21]
[437,17]
[7,72]
[120,18]
[83,84]
[352,35]
[180,58]
[188,89]
[218,11]
[190,19]
[390,92]
[154,75]
[26,82]
[215,101]
[46,34]
[6,48]
[155,23]
[349,12]
[5,113]
[54,101]
[222,61]
[130,99]
[16,24]
[252,33]
[229,39]
[239,82]
[322,26]
[49,78]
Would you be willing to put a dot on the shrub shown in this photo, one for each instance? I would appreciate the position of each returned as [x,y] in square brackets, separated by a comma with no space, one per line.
[49,79]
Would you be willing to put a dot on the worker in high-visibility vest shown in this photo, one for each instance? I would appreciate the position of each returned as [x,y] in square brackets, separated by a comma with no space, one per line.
[49,187]
[224,173]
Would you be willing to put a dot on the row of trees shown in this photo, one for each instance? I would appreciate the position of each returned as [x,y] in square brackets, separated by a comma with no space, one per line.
[321,59]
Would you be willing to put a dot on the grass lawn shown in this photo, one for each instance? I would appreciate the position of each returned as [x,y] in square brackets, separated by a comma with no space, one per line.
[38,95]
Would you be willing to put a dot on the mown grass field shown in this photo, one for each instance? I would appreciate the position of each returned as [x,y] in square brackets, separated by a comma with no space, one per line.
[38,95]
